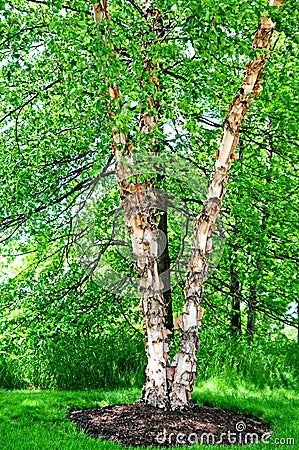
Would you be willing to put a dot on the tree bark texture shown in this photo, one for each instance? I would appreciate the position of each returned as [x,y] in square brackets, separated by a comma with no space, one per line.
[236,302]
[140,204]
[169,385]
[184,370]
[164,268]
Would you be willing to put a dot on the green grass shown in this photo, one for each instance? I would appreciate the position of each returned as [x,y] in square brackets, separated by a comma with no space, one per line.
[37,420]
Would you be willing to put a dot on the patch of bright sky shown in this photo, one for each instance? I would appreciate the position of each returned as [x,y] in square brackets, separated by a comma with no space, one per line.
[10,269]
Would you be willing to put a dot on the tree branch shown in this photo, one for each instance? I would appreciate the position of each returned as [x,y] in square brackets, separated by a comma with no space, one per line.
[136,7]
[40,2]
[21,31]
[28,101]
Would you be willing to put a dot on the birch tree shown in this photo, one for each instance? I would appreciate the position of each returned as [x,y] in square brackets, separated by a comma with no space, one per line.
[69,120]
[169,384]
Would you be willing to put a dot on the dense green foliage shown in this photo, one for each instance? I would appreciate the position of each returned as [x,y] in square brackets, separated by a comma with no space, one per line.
[58,328]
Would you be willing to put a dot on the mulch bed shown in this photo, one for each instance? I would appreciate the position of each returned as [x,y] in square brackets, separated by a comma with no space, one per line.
[137,424]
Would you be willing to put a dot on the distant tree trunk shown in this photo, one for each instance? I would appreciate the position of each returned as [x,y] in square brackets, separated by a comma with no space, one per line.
[252,304]
[235,290]
[253,301]
[253,290]
[236,326]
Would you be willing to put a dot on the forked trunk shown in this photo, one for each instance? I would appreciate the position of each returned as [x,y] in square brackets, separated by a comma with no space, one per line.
[170,385]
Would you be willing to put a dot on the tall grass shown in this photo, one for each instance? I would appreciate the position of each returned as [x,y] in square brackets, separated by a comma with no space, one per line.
[74,364]
[67,362]
[262,363]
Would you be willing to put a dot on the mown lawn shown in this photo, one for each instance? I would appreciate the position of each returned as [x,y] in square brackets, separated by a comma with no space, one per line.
[37,420]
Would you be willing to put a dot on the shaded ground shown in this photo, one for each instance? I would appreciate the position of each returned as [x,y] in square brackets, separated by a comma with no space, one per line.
[136,424]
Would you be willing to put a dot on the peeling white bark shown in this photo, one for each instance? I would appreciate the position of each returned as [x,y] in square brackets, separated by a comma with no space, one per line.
[276,2]
[139,202]
[183,373]
[170,385]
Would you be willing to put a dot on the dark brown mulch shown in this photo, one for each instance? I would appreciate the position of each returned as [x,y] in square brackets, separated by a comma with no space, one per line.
[137,424]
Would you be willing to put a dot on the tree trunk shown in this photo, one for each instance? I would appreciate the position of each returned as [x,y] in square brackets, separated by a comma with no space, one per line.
[171,385]
[183,375]
[251,315]
[262,249]
[140,205]
[164,268]
[143,227]
[236,326]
